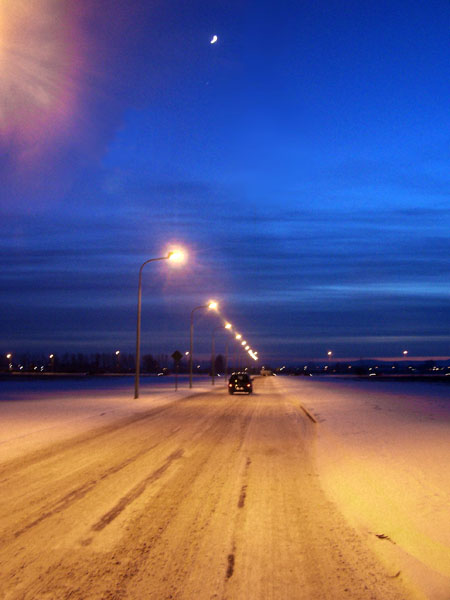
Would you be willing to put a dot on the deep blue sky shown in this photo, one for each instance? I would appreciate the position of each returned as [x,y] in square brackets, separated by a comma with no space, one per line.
[303,160]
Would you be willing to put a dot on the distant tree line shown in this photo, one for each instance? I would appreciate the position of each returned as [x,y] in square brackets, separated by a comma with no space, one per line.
[98,363]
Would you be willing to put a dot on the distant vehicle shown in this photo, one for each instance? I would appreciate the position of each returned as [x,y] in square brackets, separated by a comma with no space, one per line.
[240,382]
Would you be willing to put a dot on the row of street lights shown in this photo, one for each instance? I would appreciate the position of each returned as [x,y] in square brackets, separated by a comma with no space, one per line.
[226,326]
[178,257]
[244,346]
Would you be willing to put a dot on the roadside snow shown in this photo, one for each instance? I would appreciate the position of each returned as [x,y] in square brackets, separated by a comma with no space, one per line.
[30,419]
[383,451]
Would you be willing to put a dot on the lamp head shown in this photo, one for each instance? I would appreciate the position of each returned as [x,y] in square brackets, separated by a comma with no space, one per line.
[213,305]
[177,257]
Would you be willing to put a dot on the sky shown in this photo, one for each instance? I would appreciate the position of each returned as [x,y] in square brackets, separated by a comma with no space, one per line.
[302,161]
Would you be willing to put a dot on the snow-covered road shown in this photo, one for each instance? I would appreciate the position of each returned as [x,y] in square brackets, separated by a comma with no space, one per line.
[206,496]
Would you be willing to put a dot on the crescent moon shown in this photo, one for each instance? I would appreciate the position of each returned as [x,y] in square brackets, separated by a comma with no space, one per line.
[214,39]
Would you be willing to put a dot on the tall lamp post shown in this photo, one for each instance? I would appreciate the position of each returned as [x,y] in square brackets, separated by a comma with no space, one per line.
[229,327]
[213,351]
[210,306]
[175,256]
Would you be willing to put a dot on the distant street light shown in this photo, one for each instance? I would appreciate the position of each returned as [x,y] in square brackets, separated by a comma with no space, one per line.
[9,357]
[405,352]
[175,256]
[212,305]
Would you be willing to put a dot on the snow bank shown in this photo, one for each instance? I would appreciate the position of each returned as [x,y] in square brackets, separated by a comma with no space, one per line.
[383,452]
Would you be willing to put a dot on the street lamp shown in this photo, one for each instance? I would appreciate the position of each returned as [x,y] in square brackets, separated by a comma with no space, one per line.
[175,256]
[229,327]
[212,305]
[213,351]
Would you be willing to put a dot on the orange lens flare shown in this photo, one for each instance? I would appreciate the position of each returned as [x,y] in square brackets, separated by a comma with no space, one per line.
[38,58]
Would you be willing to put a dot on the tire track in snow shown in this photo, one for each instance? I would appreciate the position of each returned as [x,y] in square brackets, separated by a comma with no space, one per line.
[137,491]
[80,492]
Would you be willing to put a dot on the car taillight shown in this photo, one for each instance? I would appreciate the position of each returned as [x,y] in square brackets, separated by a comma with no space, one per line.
[248,385]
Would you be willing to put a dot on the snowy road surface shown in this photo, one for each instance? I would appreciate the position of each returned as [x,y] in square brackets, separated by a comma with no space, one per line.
[210,496]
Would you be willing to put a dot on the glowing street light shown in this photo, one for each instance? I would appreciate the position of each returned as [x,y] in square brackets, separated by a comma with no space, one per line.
[177,256]
[174,256]
[211,305]
[9,357]
[405,352]
[229,327]
[238,336]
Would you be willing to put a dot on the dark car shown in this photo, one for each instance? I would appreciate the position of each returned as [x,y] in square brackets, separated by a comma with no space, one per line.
[240,382]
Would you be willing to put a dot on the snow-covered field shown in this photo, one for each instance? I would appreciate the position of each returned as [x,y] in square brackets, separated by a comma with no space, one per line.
[33,413]
[383,451]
